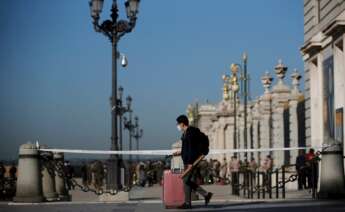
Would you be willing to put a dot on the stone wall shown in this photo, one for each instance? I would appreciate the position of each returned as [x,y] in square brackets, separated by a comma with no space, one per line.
[274,120]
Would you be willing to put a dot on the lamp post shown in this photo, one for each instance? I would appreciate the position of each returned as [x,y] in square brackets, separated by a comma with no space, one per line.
[244,83]
[138,133]
[235,88]
[121,111]
[245,102]
[114,29]
[128,123]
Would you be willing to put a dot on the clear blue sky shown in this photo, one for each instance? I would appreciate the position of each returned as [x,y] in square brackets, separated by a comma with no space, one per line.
[55,71]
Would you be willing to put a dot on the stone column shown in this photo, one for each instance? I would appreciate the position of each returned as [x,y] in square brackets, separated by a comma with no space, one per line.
[265,110]
[240,132]
[29,182]
[216,139]
[278,137]
[256,139]
[59,178]
[295,115]
[213,139]
[280,105]
[48,176]
[222,141]
[249,133]
[229,138]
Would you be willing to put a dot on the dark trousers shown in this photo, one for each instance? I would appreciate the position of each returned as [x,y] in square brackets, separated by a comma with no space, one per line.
[301,179]
[235,183]
[312,176]
[190,185]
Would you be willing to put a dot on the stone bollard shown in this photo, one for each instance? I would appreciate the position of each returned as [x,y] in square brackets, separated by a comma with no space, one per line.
[332,180]
[48,176]
[29,182]
[60,184]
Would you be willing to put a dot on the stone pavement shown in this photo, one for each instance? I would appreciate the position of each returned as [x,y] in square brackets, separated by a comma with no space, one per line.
[257,206]
[149,199]
[221,193]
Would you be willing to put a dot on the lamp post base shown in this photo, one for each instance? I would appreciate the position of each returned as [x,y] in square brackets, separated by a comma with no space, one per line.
[332,182]
[113,181]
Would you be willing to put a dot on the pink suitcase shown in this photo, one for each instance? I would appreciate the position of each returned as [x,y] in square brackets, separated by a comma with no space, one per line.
[173,193]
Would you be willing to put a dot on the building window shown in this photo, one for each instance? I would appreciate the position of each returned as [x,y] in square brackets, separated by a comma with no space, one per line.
[328,97]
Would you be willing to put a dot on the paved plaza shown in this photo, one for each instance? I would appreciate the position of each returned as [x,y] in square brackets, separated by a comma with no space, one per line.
[290,205]
[149,199]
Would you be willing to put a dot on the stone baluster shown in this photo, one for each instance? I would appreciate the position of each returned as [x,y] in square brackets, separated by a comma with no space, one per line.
[265,110]
[48,176]
[29,182]
[59,178]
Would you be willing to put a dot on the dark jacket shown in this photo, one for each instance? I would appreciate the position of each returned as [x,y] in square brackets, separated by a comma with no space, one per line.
[300,162]
[190,149]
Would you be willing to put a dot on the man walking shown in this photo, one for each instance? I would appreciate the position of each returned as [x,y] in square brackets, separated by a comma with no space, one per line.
[190,152]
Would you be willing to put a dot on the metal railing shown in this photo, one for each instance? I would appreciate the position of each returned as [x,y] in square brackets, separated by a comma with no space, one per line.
[271,183]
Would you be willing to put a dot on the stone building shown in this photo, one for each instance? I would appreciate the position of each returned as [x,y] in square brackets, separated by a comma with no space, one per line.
[274,120]
[324,67]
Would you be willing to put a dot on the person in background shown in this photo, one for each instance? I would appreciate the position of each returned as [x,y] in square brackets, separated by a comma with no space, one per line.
[223,172]
[203,165]
[98,173]
[266,164]
[13,172]
[265,167]
[300,168]
[142,176]
[309,157]
[149,173]
[216,169]
[2,175]
[89,174]
[234,167]
[252,166]
[69,173]
[210,172]
[2,171]
[84,174]
[244,165]
[312,164]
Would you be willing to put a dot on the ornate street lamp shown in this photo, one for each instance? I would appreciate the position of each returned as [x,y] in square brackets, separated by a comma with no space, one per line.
[138,133]
[129,123]
[235,88]
[226,87]
[114,29]
[244,84]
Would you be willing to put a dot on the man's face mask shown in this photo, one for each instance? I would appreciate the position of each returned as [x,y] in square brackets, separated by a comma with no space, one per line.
[179,128]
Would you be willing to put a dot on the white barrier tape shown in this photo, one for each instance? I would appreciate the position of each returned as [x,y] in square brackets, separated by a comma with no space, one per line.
[170,152]
[224,151]
[110,152]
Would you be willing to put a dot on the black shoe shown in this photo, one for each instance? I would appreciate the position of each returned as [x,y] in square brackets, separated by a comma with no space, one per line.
[208,198]
[185,206]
